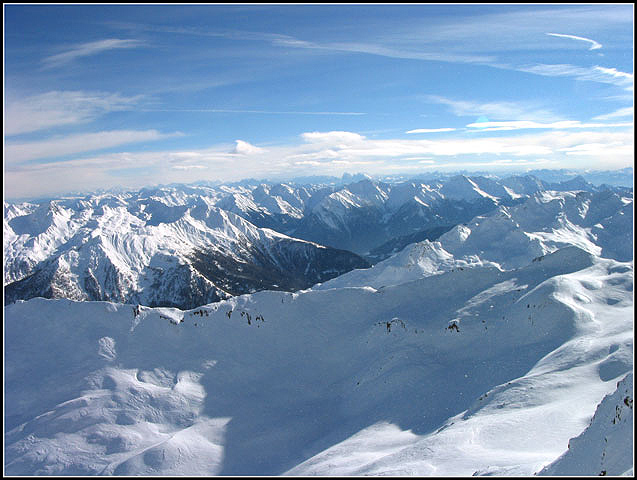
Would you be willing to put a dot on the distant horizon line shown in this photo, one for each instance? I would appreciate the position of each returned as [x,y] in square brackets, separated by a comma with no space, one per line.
[351,177]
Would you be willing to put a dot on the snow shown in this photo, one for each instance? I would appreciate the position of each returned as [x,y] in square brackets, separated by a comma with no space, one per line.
[613,421]
[462,187]
[315,382]
[504,348]
[123,253]
[542,224]
[553,398]
[36,233]
[511,193]
[414,261]
[530,230]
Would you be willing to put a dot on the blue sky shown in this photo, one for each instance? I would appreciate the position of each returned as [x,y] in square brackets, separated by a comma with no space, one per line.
[98,96]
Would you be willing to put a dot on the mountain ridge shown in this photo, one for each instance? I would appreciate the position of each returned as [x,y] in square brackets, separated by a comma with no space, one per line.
[118,256]
[177,245]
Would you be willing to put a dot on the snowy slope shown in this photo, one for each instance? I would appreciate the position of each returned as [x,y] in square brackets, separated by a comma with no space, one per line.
[413,262]
[462,187]
[32,233]
[278,206]
[612,422]
[512,428]
[473,370]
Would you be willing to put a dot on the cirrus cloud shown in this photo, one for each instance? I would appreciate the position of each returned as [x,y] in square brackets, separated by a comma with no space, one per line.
[88,49]
[525,124]
[431,130]
[60,108]
[16,153]
[337,137]
[622,112]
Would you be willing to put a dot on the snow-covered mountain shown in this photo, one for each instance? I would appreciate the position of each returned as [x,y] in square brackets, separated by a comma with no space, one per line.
[364,214]
[186,245]
[168,250]
[502,347]
[472,371]
[512,236]
[368,216]
[280,206]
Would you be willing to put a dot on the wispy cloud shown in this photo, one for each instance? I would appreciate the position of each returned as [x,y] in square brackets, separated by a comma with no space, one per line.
[594,44]
[483,40]
[613,72]
[329,152]
[594,74]
[58,108]
[88,49]
[287,41]
[264,112]
[329,147]
[480,40]
[599,149]
[189,167]
[337,138]
[430,130]
[16,153]
[525,124]
[495,110]
[547,145]
[414,52]
[406,47]
[233,34]
[621,113]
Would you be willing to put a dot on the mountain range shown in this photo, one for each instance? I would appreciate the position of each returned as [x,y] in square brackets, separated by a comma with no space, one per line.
[499,344]
[154,251]
[185,246]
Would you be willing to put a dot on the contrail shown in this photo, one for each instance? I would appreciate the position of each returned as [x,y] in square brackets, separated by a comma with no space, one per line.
[594,44]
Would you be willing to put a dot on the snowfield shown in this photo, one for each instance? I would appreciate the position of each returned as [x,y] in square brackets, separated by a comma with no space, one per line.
[471,371]
[613,421]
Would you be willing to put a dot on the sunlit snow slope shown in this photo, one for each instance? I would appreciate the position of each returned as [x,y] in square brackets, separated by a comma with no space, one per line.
[606,446]
[473,370]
